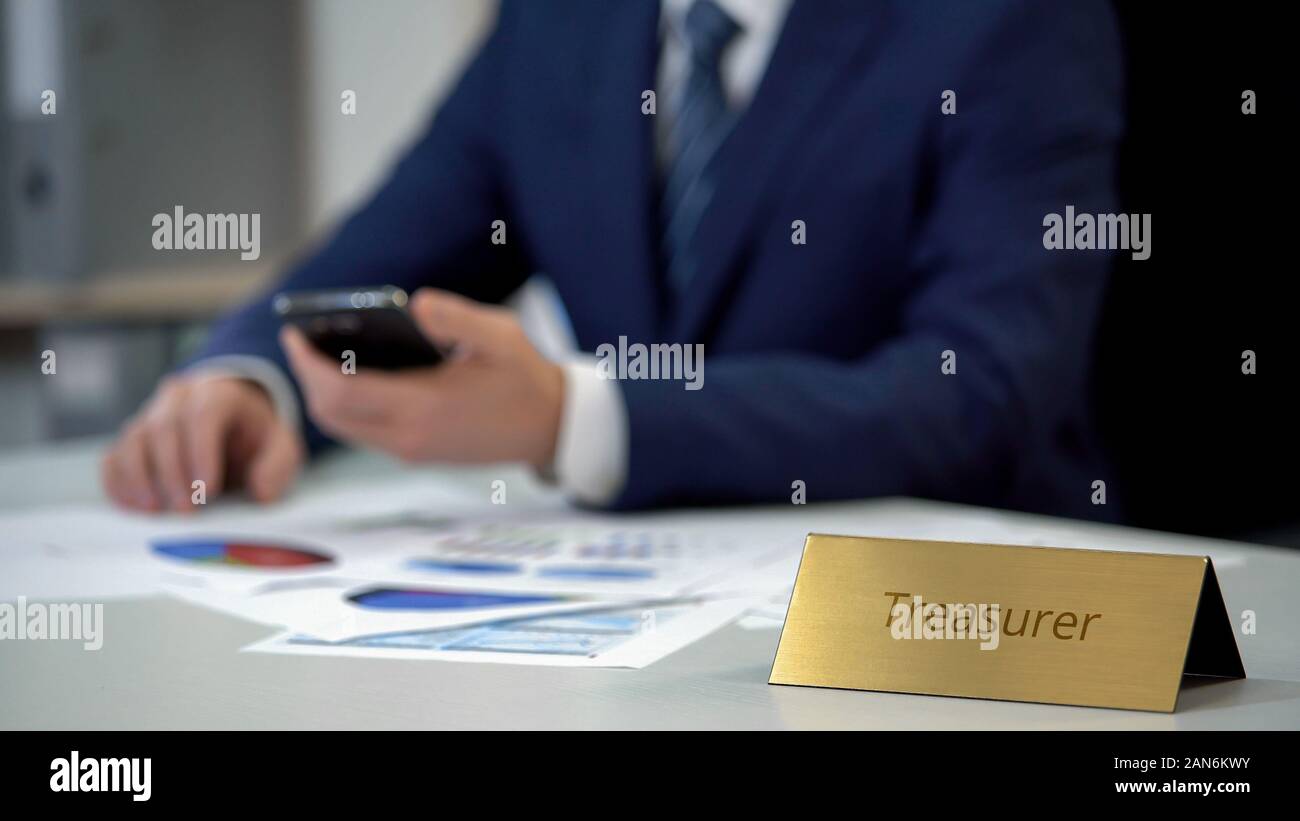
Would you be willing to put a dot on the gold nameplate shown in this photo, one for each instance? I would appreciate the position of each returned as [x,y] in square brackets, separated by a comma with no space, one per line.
[1087,627]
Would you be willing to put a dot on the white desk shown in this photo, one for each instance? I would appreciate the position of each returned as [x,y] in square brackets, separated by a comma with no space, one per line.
[171,665]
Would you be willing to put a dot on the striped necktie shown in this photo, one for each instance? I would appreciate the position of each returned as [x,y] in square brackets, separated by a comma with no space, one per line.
[702,123]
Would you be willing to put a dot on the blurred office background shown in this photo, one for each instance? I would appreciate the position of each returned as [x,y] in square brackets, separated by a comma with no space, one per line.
[234,106]
[230,106]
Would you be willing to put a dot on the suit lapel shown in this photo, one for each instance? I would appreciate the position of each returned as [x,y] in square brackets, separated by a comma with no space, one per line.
[620,162]
[818,41]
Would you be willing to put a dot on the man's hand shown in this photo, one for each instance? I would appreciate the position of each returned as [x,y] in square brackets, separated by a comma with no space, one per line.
[220,430]
[494,399]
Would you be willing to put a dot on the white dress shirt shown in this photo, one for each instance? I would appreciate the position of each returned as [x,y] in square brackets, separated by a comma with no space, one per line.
[591,450]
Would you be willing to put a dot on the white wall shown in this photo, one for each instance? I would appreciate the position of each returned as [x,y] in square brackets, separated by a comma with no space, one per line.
[400,57]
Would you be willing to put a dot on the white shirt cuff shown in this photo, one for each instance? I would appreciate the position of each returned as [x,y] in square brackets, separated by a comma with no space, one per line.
[255,369]
[591,451]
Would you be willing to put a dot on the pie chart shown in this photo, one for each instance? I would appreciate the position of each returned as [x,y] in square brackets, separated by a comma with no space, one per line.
[392,598]
[239,553]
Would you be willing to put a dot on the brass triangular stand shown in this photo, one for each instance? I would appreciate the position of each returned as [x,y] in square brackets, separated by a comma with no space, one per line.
[1212,649]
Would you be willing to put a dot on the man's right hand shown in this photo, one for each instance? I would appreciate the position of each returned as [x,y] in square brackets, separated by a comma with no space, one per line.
[220,430]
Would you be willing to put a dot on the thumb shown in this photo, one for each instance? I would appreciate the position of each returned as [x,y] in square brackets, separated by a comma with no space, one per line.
[452,320]
[276,464]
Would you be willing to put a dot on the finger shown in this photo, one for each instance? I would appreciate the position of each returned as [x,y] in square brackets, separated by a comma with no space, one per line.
[274,467]
[204,440]
[304,358]
[129,471]
[166,456]
[449,319]
[110,479]
[115,482]
[331,393]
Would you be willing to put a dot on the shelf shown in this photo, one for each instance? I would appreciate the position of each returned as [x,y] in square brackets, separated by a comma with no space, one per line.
[184,294]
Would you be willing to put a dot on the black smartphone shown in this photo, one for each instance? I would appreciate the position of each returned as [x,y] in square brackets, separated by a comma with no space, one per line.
[373,323]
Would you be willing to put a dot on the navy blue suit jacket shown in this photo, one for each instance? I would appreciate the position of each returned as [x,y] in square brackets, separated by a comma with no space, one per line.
[822,361]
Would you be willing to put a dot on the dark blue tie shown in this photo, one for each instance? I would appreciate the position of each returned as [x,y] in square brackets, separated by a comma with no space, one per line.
[703,122]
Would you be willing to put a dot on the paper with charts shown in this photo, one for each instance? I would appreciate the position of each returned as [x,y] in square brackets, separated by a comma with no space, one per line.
[569,589]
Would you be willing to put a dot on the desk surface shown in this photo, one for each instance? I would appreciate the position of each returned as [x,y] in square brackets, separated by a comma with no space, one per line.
[166,664]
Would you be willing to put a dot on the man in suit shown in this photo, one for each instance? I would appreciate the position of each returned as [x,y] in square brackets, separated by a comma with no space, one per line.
[843,202]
